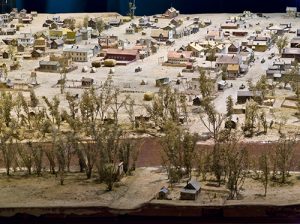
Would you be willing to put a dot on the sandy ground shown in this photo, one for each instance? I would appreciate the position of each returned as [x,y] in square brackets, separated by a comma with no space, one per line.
[132,192]
[32,191]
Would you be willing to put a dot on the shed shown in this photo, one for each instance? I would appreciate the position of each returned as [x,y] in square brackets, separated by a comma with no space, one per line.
[190,191]
[243,96]
[37,53]
[55,44]
[163,193]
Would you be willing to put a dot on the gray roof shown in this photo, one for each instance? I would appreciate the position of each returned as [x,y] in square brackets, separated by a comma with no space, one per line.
[49,63]
[59,41]
[228,59]
[192,185]
[164,190]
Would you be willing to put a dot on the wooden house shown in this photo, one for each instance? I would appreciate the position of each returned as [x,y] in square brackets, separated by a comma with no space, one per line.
[190,191]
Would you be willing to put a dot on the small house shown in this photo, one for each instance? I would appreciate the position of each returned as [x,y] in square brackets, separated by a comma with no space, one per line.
[176,22]
[115,22]
[108,41]
[229,26]
[179,57]
[291,11]
[226,59]
[49,66]
[40,44]
[34,13]
[37,53]
[260,43]
[56,19]
[162,35]
[243,96]
[171,13]
[130,30]
[145,21]
[56,44]
[73,37]
[291,53]
[196,48]
[233,70]
[26,19]
[214,35]
[163,193]
[190,191]
[26,38]
[234,48]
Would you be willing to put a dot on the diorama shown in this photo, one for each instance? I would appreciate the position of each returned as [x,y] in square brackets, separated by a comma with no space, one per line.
[172,114]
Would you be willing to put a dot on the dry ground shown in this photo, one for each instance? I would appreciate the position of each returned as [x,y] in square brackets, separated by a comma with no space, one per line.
[131,192]
[32,191]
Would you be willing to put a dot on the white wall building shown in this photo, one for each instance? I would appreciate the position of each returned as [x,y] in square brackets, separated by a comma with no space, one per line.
[78,53]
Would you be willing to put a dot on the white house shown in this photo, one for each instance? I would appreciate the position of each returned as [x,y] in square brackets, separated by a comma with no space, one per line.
[78,53]
[56,18]
[26,39]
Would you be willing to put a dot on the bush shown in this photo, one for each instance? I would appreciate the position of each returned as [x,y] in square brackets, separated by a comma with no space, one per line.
[148,96]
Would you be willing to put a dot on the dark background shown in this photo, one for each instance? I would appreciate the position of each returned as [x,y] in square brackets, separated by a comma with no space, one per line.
[147,7]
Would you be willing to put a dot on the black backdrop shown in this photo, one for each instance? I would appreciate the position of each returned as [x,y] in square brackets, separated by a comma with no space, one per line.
[157,6]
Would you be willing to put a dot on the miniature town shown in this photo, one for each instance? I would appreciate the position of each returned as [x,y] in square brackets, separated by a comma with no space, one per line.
[101,109]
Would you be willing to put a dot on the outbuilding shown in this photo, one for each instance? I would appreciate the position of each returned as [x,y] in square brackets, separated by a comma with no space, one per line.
[190,191]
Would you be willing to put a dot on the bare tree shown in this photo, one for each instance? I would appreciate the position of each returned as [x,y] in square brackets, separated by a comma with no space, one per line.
[26,156]
[166,106]
[281,43]
[178,151]
[284,155]
[236,164]
[264,167]
[250,118]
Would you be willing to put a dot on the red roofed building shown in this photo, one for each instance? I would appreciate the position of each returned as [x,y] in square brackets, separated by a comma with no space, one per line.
[122,57]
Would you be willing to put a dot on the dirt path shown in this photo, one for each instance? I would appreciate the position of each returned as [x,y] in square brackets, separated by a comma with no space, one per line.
[139,192]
